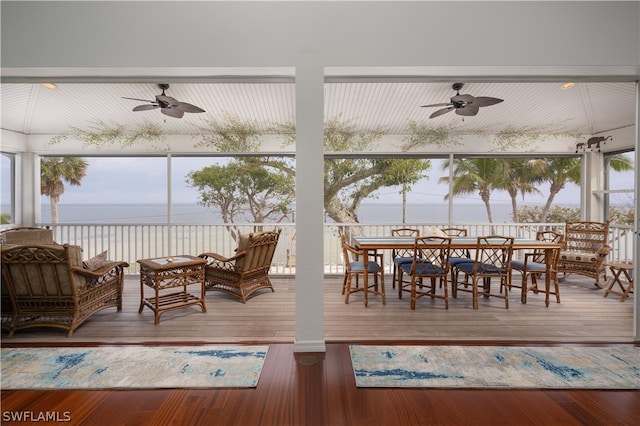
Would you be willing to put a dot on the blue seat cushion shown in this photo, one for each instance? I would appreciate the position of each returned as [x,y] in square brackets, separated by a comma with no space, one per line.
[456,260]
[467,267]
[423,269]
[359,266]
[531,266]
[400,260]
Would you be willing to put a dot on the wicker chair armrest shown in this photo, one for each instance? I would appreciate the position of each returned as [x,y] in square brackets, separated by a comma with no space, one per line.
[215,259]
[353,250]
[103,270]
[530,257]
[603,251]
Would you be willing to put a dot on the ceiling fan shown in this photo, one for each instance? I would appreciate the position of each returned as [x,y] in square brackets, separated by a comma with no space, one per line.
[465,105]
[168,105]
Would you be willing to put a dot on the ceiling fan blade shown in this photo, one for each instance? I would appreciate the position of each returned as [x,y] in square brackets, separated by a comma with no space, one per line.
[468,110]
[172,112]
[440,112]
[486,101]
[462,98]
[436,105]
[141,100]
[183,106]
[145,107]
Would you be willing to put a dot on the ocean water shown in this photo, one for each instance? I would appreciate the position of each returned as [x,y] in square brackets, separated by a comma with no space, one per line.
[193,213]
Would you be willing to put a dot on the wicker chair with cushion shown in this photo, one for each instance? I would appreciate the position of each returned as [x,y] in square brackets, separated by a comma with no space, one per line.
[457,255]
[248,270]
[492,260]
[48,285]
[430,262]
[535,264]
[585,249]
[401,256]
[354,267]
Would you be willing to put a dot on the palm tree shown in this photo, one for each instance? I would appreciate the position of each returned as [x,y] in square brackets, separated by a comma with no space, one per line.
[55,170]
[517,177]
[559,171]
[475,174]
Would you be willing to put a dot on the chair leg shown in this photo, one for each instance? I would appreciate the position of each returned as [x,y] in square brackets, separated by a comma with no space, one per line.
[348,288]
[557,288]
[524,288]
[474,292]
[442,283]
[506,291]
[454,284]
[413,293]
[395,275]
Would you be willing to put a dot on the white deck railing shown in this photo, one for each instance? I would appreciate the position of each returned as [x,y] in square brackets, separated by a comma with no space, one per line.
[130,242]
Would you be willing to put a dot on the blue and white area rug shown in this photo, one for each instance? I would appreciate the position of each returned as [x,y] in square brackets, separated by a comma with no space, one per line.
[127,367]
[497,367]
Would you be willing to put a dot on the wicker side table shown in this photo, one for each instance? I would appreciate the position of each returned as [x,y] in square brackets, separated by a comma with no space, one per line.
[171,273]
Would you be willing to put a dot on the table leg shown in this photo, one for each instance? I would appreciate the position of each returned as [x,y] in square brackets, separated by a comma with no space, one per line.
[615,278]
[365,260]
[141,291]
[629,288]
[548,258]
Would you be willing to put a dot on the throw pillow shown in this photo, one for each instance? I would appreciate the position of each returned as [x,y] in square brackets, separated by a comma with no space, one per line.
[96,262]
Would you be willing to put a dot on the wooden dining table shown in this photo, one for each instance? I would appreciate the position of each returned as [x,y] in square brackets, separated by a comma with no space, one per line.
[372,244]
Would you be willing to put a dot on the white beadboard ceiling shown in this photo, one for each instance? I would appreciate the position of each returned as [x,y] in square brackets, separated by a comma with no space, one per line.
[587,108]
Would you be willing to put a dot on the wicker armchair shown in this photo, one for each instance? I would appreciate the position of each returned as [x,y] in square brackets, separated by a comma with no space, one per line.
[48,285]
[248,270]
[585,249]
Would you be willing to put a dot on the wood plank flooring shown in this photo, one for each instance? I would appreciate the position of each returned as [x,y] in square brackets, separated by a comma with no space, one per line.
[583,316]
[291,392]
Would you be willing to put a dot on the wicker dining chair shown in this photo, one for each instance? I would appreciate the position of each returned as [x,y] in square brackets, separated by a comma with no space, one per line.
[535,264]
[430,262]
[458,255]
[401,256]
[492,260]
[354,268]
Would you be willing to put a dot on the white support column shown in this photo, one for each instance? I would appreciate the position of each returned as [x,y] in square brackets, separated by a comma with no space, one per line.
[636,226]
[309,331]
[28,189]
[592,180]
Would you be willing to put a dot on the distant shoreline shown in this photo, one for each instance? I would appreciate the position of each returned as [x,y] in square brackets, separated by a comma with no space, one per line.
[189,213]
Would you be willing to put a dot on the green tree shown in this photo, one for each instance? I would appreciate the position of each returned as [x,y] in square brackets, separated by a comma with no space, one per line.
[516,178]
[349,181]
[558,171]
[5,218]
[475,175]
[54,171]
[557,214]
[262,188]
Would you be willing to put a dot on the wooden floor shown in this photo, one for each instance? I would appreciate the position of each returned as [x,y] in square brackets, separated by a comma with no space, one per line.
[583,316]
[292,392]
